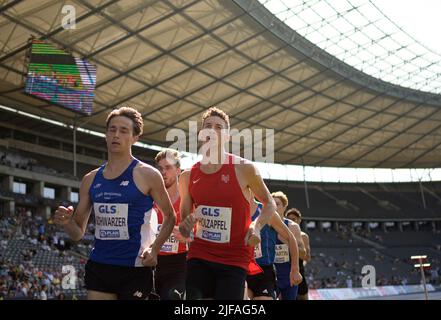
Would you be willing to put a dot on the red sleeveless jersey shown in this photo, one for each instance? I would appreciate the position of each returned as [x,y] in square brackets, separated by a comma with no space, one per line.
[224,215]
[171,245]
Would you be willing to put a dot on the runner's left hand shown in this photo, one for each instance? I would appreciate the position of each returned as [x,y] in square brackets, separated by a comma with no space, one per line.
[252,238]
[295,278]
[149,258]
[179,236]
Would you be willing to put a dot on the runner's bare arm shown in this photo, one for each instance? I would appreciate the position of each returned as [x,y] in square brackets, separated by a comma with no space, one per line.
[295,229]
[187,219]
[255,183]
[284,232]
[75,223]
[162,200]
[305,238]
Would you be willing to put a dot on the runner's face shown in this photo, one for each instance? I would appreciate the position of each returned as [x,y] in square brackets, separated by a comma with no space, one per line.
[279,206]
[169,172]
[294,218]
[219,126]
[119,135]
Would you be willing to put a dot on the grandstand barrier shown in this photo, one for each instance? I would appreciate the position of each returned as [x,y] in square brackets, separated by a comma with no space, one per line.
[359,293]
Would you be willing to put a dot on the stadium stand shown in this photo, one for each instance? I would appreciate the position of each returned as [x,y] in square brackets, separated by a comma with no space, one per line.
[32,260]
[356,201]
[338,256]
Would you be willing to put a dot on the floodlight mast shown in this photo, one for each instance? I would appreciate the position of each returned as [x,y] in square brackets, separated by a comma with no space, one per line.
[422,265]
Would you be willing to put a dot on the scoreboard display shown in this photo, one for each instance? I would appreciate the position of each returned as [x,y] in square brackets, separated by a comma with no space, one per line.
[59,78]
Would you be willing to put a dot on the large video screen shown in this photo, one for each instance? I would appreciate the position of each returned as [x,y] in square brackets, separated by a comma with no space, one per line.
[57,77]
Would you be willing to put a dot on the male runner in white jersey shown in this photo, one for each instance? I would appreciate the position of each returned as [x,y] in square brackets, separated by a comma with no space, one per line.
[219,188]
[121,194]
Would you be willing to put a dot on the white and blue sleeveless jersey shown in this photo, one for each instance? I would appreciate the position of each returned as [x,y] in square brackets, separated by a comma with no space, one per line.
[124,223]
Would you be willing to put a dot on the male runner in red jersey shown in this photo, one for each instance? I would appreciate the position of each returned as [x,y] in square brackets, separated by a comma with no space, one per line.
[219,187]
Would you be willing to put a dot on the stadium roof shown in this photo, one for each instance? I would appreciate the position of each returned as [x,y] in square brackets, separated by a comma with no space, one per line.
[360,34]
[173,59]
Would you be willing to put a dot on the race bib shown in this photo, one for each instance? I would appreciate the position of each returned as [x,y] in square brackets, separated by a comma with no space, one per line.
[258,251]
[171,245]
[282,253]
[111,221]
[214,224]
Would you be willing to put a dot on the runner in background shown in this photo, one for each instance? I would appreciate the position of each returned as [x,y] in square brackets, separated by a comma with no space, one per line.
[171,269]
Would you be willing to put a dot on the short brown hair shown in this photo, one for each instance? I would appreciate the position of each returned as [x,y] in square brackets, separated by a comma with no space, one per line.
[130,113]
[170,155]
[281,196]
[294,212]
[216,112]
